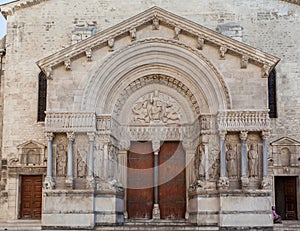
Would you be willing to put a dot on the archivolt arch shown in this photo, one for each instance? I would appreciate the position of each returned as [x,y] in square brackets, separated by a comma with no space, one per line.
[156,56]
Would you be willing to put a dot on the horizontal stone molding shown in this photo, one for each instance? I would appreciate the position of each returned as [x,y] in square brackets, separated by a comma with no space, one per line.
[243,120]
[70,122]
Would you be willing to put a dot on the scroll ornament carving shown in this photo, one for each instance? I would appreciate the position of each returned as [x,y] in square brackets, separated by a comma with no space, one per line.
[155,107]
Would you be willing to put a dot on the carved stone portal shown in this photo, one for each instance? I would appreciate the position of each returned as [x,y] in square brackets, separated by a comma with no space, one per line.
[155,107]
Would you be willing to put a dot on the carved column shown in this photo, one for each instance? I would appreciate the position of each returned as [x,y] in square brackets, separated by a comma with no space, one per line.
[49,182]
[266,182]
[244,178]
[156,210]
[70,178]
[90,177]
[223,182]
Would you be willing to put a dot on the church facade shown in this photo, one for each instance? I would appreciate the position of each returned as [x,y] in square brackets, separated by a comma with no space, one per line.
[114,112]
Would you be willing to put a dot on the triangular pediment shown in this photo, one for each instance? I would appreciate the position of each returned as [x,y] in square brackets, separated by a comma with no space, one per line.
[285,141]
[158,17]
[30,145]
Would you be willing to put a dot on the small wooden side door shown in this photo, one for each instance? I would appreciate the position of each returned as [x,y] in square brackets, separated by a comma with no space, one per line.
[172,188]
[290,198]
[140,180]
[31,197]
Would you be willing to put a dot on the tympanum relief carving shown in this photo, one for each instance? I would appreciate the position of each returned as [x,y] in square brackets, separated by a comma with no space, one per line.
[155,107]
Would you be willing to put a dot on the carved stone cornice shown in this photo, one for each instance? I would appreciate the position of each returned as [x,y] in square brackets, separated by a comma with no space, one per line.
[156,14]
[250,120]
[12,7]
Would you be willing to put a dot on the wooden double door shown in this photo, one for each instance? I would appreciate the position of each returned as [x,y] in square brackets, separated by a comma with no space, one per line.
[286,196]
[171,181]
[31,197]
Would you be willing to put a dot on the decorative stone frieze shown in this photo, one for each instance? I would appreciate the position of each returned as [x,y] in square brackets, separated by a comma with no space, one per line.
[70,121]
[251,120]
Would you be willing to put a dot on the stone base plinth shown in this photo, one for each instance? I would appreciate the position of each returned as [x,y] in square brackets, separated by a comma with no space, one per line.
[68,209]
[109,208]
[231,210]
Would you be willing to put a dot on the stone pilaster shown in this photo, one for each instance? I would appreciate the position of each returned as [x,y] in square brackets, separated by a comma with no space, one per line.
[70,172]
[49,182]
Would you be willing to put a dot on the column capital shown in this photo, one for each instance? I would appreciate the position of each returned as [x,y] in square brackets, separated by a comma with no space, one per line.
[155,145]
[91,136]
[265,134]
[222,134]
[243,135]
[49,136]
[71,136]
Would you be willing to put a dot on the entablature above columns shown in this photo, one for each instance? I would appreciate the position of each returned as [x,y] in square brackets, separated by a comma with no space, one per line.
[243,120]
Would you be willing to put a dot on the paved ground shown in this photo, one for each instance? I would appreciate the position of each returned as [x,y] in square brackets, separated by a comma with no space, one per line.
[35,225]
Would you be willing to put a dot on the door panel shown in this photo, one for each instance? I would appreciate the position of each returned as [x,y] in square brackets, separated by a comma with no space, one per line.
[172,189]
[140,193]
[290,198]
[286,197]
[31,197]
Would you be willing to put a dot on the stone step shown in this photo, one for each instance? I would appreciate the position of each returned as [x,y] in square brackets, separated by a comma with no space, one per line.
[24,225]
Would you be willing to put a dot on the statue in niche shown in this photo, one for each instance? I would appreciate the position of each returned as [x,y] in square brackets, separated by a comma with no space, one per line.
[253,161]
[200,162]
[215,169]
[61,161]
[81,167]
[231,161]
